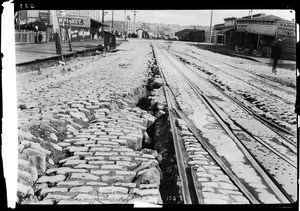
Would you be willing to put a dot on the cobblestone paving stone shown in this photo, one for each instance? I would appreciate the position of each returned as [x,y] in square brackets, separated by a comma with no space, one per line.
[93,106]
[215,186]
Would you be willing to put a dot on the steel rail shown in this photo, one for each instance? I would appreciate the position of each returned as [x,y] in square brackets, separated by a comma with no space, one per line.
[262,120]
[278,191]
[179,158]
[283,157]
[227,65]
[265,121]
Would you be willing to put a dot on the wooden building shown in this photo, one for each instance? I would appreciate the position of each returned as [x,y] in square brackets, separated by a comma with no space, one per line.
[255,34]
[191,35]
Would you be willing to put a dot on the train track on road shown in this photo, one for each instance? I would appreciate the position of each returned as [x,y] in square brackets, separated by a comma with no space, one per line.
[281,191]
[281,131]
[209,59]
[263,104]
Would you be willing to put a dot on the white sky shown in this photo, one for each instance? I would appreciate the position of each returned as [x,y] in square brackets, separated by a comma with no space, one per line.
[192,17]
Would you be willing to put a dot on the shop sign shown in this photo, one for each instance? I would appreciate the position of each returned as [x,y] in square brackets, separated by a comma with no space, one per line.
[73,21]
[43,16]
[84,13]
[286,29]
[287,33]
[241,28]
[73,13]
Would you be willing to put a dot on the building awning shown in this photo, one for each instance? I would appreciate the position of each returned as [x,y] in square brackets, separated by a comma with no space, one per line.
[228,29]
[225,29]
[97,23]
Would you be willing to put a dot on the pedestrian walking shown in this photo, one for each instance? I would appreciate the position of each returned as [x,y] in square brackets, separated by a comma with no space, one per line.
[40,37]
[98,34]
[93,34]
[276,54]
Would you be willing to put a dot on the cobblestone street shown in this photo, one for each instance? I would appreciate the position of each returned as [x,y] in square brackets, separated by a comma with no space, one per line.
[85,111]
[149,108]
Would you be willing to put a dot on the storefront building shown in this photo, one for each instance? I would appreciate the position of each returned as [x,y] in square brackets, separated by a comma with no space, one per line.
[75,23]
[223,33]
[255,34]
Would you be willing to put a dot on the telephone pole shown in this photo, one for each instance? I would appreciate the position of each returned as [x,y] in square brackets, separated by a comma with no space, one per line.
[102,32]
[251,13]
[112,20]
[211,16]
[134,13]
[125,24]
[56,30]
[103,14]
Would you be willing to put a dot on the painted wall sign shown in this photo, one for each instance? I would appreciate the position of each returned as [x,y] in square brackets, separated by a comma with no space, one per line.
[241,28]
[257,29]
[286,29]
[74,13]
[73,21]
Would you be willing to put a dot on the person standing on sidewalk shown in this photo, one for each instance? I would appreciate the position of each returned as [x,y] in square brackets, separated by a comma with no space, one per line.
[40,37]
[36,32]
[276,54]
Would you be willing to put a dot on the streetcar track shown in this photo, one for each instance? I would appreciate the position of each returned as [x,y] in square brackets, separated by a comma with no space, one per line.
[265,122]
[257,116]
[239,77]
[263,109]
[272,179]
[224,63]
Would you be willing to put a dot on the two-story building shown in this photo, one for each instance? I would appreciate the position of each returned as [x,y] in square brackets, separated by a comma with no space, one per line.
[256,33]
[132,27]
[223,33]
[79,23]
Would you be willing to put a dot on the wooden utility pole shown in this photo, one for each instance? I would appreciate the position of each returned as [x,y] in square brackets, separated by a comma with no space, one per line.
[112,21]
[56,29]
[103,14]
[125,24]
[211,16]
[67,27]
[251,13]
[48,25]
[102,33]
[134,13]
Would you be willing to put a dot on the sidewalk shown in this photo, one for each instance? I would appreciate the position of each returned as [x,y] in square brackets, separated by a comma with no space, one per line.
[26,53]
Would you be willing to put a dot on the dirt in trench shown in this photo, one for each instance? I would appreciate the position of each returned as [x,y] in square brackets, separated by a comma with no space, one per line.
[162,142]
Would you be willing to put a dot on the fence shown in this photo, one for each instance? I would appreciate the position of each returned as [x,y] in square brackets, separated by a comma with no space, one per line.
[27,37]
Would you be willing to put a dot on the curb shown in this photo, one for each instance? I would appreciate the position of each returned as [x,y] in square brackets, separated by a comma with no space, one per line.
[57,56]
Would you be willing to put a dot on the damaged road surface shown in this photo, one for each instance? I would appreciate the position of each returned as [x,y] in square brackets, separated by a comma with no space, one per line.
[88,133]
